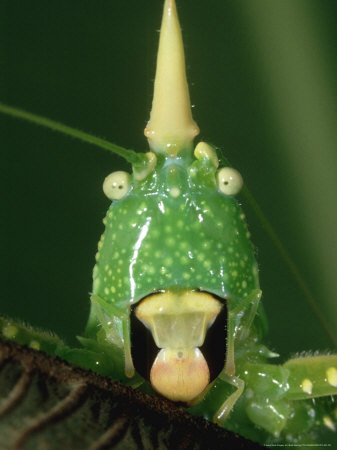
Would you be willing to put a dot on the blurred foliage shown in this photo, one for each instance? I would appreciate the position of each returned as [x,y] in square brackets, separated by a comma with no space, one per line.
[262,77]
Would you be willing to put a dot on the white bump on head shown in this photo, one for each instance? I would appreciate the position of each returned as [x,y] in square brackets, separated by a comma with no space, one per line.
[117,185]
[151,164]
[229,181]
[205,151]
[306,386]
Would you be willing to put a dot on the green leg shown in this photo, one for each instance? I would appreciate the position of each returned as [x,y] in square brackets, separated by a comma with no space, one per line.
[222,413]
[116,327]
[253,300]
[32,337]
[279,399]
[265,402]
[240,330]
[312,377]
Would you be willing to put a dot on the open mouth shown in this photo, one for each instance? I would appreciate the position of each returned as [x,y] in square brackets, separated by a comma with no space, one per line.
[178,341]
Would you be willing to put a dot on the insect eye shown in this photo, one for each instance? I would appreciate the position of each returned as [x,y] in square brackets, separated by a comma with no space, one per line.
[117,185]
[229,181]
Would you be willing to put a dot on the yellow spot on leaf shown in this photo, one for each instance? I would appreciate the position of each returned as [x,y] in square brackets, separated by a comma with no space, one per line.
[34,344]
[306,386]
[10,331]
[331,375]
[329,423]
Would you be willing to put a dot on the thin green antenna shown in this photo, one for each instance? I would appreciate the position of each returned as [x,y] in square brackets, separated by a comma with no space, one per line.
[312,301]
[131,156]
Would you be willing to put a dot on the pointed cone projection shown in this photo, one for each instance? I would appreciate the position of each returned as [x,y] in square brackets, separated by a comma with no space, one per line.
[171,126]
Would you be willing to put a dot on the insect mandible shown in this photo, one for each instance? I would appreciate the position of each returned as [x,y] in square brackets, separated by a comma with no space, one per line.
[176,256]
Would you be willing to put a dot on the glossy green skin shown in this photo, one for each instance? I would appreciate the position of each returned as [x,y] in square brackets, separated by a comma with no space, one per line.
[195,240]
[199,240]
[154,241]
[265,412]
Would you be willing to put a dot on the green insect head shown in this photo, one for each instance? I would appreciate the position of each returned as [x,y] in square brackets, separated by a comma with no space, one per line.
[175,259]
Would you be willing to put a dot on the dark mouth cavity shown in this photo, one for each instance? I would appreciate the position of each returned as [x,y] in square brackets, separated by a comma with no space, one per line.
[144,350]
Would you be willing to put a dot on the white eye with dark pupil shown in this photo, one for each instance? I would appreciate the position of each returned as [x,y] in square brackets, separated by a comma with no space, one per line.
[117,185]
[229,181]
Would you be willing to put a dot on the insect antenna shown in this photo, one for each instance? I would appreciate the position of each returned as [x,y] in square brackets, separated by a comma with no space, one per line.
[136,159]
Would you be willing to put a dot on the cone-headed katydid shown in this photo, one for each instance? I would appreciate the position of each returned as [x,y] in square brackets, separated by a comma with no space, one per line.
[176,262]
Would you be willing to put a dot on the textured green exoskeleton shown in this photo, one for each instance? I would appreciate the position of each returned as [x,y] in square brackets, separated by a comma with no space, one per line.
[181,231]
[176,260]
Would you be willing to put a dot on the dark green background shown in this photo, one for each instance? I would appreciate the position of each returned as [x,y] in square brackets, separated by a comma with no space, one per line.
[90,64]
